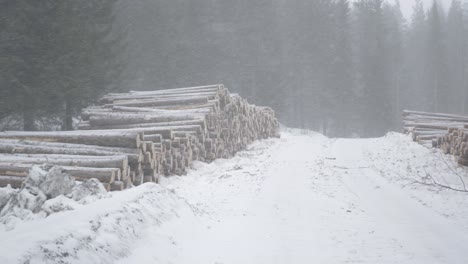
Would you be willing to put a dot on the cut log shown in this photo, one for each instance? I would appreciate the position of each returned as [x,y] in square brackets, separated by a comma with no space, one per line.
[112,119]
[120,162]
[180,125]
[169,102]
[14,181]
[117,186]
[445,131]
[134,97]
[124,139]
[164,112]
[428,114]
[159,93]
[104,175]
[200,122]
[39,147]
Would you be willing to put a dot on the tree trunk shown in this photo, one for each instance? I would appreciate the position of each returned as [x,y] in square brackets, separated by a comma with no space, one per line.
[68,118]
[28,114]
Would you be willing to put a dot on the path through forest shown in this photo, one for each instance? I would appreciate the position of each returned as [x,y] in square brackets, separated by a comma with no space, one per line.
[310,199]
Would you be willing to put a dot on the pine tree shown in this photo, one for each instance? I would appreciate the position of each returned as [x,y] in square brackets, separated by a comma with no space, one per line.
[23,60]
[464,94]
[343,72]
[374,82]
[394,25]
[85,59]
[455,53]
[58,57]
[416,60]
[437,60]
[465,46]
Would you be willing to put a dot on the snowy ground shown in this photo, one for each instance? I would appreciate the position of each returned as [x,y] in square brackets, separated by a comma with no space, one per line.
[298,199]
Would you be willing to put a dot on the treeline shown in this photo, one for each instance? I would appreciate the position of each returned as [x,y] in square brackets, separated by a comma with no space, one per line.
[341,67]
[56,57]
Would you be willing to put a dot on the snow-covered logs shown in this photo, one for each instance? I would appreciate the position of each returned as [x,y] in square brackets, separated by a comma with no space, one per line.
[445,131]
[136,137]
[455,142]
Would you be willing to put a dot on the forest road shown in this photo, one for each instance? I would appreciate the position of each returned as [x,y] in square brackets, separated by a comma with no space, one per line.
[307,199]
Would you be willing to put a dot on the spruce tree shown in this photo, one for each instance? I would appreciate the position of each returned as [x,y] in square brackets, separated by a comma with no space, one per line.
[455,54]
[437,60]
[343,83]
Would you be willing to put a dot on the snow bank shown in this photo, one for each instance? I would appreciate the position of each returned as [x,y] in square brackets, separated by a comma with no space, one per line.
[100,232]
[297,198]
[424,173]
[396,154]
[45,191]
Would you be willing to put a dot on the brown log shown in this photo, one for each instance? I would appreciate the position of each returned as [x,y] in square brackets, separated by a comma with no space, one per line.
[223,124]
[168,102]
[200,122]
[104,175]
[14,181]
[117,186]
[157,138]
[428,114]
[134,97]
[216,87]
[120,162]
[39,147]
[124,139]
[158,93]
[112,119]
[141,111]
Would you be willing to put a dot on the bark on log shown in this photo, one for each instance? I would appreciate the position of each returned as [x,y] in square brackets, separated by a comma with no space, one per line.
[120,162]
[112,119]
[142,111]
[124,139]
[126,97]
[200,122]
[104,175]
[39,147]
[14,181]
[410,113]
[155,102]
[184,124]
[200,89]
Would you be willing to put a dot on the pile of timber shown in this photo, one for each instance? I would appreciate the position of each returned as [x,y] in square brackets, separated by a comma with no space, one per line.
[445,131]
[136,137]
[455,142]
[426,127]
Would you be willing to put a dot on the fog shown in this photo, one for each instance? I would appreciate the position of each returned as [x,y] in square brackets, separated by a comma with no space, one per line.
[407,6]
[344,68]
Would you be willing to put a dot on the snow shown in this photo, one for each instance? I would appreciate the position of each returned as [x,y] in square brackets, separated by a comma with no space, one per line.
[46,190]
[303,198]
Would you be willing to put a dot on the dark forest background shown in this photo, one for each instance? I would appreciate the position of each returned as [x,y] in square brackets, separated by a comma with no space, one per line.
[341,68]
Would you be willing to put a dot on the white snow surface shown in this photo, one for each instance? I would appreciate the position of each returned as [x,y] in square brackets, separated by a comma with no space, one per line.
[303,198]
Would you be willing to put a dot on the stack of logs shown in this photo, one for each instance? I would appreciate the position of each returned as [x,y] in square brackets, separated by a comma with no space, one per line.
[138,136]
[445,131]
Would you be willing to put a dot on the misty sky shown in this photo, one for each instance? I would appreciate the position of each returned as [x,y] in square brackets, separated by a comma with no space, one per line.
[407,5]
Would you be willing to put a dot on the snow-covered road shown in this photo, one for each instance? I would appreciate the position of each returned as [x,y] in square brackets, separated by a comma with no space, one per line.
[310,199]
[298,199]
